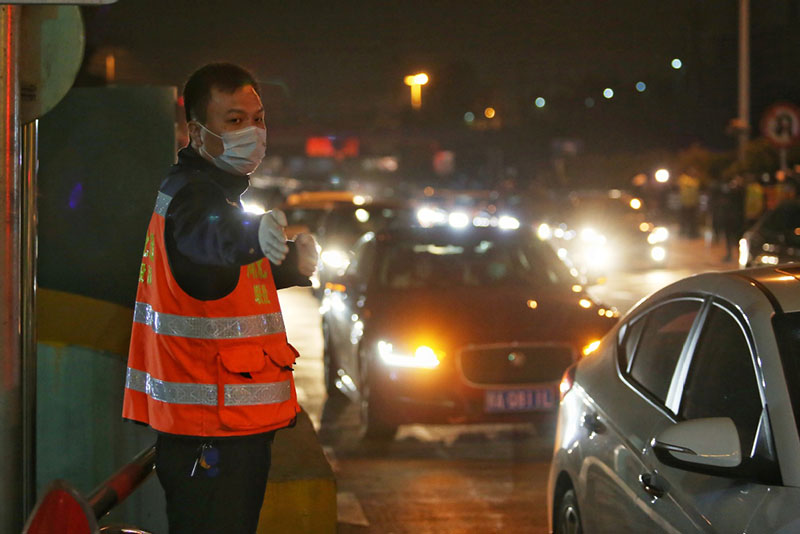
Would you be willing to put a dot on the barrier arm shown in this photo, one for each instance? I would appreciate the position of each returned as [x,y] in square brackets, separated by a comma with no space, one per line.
[62,509]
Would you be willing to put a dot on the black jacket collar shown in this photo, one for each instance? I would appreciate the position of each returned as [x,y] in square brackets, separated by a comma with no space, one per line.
[233,184]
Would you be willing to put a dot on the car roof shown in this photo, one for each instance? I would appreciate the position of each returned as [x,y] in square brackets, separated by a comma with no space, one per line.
[446,233]
[779,284]
[319,197]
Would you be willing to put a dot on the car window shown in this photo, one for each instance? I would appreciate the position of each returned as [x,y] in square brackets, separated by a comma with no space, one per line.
[631,333]
[491,262]
[362,258]
[722,380]
[660,345]
[787,334]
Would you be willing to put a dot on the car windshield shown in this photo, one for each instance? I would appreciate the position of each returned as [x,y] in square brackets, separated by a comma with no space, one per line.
[488,262]
[350,223]
[603,211]
[308,217]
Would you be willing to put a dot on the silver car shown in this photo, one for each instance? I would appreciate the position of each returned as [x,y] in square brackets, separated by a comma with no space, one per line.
[685,418]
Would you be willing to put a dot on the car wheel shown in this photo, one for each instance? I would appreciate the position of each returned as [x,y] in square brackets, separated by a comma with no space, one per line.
[329,364]
[373,414]
[568,517]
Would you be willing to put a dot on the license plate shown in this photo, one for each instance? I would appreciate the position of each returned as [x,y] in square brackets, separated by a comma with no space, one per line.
[519,400]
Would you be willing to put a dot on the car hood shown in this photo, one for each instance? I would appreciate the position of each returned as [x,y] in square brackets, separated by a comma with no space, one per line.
[452,318]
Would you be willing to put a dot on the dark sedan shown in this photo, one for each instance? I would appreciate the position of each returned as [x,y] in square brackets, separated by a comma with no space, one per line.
[774,238]
[445,325]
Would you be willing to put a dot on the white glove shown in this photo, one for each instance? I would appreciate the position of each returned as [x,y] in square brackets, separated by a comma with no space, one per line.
[271,236]
[307,255]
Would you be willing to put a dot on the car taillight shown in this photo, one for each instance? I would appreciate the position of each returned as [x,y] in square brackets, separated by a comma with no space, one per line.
[566,381]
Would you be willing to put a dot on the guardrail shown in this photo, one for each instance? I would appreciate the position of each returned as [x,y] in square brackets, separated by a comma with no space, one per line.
[63,510]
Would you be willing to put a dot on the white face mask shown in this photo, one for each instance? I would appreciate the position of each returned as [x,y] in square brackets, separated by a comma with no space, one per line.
[243,149]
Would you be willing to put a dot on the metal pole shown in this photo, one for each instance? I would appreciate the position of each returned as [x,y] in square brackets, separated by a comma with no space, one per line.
[29,256]
[11,441]
[744,76]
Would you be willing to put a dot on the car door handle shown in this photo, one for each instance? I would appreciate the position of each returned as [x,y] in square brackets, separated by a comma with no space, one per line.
[650,486]
[592,423]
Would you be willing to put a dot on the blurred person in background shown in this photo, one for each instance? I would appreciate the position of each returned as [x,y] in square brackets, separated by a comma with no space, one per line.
[689,190]
[753,201]
[731,212]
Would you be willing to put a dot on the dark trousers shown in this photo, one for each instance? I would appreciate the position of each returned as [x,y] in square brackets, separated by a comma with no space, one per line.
[228,502]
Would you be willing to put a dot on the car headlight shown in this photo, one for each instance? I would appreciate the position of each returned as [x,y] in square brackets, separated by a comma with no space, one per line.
[335,259]
[658,253]
[424,357]
[430,216]
[458,219]
[767,259]
[507,222]
[590,347]
[590,235]
[544,232]
[659,234]
[597,256]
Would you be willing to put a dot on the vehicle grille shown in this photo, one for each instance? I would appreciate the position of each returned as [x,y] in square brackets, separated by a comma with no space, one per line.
[505,364]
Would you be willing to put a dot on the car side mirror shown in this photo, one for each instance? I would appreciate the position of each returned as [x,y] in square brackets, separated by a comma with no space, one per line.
[709,445]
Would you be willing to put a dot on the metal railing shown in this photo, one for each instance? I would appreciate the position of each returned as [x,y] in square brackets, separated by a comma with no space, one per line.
[62,510]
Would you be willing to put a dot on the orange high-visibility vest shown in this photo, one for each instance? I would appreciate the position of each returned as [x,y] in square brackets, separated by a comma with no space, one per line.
[207,368]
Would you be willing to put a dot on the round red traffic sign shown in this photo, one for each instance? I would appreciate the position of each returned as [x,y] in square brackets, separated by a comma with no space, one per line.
[781,124]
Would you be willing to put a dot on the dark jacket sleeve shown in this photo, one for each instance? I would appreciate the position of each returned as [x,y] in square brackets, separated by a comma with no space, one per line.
[208,230]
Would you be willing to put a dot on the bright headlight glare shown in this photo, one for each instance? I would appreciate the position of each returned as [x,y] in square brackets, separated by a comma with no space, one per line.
[599,257]
[544,232]
[592,236]
[658,253]
[591,347]
[658,235]
[768,259]
[429,216]
[458,219]
[424,357]
[507,222]
[482,220]
[335,259]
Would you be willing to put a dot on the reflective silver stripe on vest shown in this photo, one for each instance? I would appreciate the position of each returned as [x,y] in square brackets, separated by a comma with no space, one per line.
[162,203]
[206,394]
[208,327]
[252,394]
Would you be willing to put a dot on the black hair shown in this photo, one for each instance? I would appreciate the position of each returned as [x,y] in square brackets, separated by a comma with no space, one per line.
[225,77]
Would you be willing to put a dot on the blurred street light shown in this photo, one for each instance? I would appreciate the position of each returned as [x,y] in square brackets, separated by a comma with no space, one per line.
[662,176]
[540,102]
[641,87]
[608,93]
[676,63]
[416,81]
[489,113]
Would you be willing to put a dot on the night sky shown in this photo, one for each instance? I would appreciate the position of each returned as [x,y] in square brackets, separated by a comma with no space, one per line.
[340,65]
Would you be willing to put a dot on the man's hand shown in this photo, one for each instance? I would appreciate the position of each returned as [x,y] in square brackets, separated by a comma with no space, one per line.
[271,236]
[306,254]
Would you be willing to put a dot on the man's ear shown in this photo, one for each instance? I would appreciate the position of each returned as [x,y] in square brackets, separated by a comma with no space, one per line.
[194,134]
